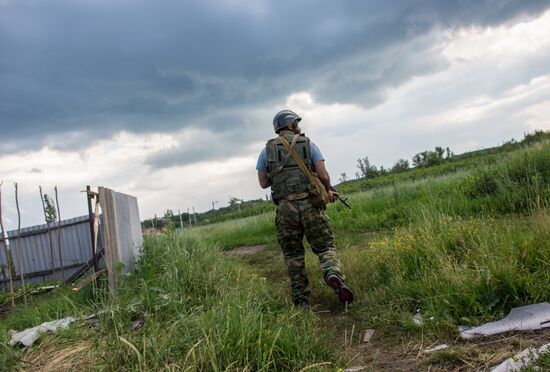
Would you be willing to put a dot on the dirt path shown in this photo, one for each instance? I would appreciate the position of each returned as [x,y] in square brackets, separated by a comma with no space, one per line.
[394,349]
[246,250]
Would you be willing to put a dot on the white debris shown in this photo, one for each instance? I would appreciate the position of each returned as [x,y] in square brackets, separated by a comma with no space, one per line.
[521,360]
[368,335]
[28,336]
[417,318]
[523,318]
[437,348]
[355,369]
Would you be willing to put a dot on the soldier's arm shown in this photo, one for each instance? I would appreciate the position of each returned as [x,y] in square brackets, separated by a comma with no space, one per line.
[321,170]
[264,180]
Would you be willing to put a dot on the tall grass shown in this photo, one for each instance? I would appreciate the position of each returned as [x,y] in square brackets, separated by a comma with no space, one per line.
[464,248]
[517,184]
[202,311]
[246,231]
[456,271]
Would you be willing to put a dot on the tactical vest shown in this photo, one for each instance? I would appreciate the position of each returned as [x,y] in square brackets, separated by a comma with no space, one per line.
[290,180]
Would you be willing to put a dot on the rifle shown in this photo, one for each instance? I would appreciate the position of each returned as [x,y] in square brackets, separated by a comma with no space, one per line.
[343,200]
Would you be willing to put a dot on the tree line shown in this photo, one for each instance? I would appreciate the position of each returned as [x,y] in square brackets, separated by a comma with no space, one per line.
[426,158]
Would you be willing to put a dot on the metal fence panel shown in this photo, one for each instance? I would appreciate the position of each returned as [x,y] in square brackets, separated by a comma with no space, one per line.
[33,248]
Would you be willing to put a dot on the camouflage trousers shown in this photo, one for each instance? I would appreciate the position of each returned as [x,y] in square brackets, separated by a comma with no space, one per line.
[295,219]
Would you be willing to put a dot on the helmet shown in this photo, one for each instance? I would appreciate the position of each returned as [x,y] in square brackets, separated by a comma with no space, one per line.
[284,119]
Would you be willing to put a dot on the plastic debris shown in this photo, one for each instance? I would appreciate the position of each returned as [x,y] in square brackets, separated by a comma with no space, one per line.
[355,369]
[137,325]
[368,335]
[521,360]
[28,336]
[437,348]
[523,318]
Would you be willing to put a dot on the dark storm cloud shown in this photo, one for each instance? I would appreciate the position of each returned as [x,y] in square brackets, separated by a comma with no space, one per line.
[70,68]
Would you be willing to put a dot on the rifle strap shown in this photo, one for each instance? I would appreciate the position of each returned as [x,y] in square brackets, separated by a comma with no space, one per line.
[277,170]
[297,159]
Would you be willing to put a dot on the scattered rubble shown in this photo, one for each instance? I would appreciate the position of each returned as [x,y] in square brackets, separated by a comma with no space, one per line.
[368,335]
[531,317]
[417,318]
[137,325]
[521,360]
[436,348]
[28,336]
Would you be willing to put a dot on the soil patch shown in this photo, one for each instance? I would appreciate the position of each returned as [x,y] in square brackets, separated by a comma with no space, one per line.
[246,250]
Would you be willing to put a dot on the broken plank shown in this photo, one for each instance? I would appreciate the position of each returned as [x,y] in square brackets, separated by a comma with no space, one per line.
[87,280]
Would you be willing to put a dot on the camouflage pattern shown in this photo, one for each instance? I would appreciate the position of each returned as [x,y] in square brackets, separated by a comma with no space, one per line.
[295,219]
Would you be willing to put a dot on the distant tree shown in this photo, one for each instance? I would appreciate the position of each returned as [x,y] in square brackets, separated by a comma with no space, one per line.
[536,136]
[51,212]
[343,177]
[429,158]
[448,153]
[169,214]
[439,152]
[366,169]
[234,202]
[400,166]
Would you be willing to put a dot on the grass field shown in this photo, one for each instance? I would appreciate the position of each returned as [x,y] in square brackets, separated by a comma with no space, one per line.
[461,247]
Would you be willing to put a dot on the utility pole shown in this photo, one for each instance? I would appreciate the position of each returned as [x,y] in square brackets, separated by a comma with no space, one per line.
[214,206]
[181,222]
[189,215]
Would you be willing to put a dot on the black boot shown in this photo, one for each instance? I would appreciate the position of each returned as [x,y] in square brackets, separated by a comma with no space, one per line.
[302,303]
[344,293]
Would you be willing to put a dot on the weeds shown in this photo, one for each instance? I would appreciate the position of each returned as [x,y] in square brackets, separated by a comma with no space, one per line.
[463,247]
[202,311]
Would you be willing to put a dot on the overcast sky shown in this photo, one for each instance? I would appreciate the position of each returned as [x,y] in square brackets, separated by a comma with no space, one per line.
[171,100]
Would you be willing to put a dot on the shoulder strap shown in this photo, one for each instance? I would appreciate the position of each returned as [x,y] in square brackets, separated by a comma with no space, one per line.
[287,157]
[297,159]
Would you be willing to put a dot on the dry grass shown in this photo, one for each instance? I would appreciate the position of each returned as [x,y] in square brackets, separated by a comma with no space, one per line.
[58,354]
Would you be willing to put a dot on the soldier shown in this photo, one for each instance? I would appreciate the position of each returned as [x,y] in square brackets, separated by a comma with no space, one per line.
[296,214]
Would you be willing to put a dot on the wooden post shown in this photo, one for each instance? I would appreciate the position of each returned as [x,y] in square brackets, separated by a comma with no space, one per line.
[96,232]
[90,196]
[59,235]
[181,222]
[10,278]
[48,229]
[19,248]
[111,236]
[189,216]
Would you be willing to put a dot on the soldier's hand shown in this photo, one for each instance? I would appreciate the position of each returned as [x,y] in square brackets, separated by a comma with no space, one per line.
[333,196]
